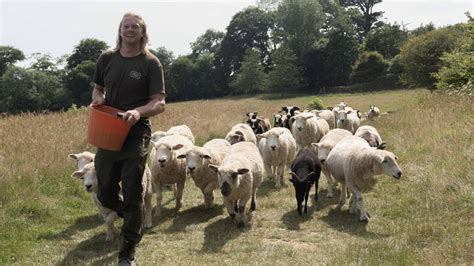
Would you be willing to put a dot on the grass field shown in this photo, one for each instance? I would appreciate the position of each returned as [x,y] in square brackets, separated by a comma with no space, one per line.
[426,217]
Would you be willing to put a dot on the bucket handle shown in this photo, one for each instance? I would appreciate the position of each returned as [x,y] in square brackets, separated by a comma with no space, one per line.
[119,114]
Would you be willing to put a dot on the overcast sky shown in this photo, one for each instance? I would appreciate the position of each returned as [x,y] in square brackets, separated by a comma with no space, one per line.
[54,27]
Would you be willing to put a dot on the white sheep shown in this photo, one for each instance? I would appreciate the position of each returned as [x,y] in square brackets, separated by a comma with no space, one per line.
[182,130]
[241,132]
[323,148]
[239,175]
[353,163]
[373,112]
[327,115]
[89,176]
[82,158]
[278,148]
[347,119]
[166,168]
[371,135]
[308,128]
[197,161]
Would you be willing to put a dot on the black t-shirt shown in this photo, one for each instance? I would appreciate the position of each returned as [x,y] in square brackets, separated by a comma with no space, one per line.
[129,81]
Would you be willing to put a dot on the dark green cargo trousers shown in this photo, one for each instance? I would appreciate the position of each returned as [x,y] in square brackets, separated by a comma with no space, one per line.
[127,166]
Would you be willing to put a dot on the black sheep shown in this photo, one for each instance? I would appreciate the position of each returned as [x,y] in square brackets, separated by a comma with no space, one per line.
[305,170]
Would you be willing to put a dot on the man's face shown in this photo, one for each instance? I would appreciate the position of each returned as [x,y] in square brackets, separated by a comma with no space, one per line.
[130,31]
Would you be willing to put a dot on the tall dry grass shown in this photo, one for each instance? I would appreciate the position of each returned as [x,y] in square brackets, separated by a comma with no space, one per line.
[426,217]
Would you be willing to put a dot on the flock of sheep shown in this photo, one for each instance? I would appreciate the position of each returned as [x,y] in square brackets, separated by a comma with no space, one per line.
[309,141]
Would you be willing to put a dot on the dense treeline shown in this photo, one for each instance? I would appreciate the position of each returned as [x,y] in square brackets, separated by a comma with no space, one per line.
[312,45]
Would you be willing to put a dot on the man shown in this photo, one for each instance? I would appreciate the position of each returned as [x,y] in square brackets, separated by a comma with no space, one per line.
[129,78]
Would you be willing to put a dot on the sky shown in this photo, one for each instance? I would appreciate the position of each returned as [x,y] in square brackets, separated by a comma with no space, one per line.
[55,27]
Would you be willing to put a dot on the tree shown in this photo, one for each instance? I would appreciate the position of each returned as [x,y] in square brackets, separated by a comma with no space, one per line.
[87,49]
[29,90]
[204,76]
[365,18]
[298,25]
[181,77]
[458,66]
[9,56]
[421,55]
[422,29]
[250,78]
[370,66]
[330,63]
[43,62]
[248,29]
[209,42]
[79,82]
[285,75]
[387,40]
[166,58]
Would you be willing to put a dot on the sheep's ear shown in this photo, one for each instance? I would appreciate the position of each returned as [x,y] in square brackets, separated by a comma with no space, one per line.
[379,157]
[239,133]
[242,171]
[315,146]
[296,108]
[247,114]
[349,111]
[309,116]
[292,180]
[382,146]
[79,174]
[181,156]
[178,146]
[283,108]
[261,136]
[73,156]
[207,156]
[213,167]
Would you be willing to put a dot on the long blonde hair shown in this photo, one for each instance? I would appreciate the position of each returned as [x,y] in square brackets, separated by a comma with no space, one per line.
[144,39]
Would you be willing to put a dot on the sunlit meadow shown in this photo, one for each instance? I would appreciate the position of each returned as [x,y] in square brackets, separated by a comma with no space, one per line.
[426,217]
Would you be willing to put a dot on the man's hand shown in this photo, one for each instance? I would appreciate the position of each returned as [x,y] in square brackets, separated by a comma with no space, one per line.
[131,117]
[98,96]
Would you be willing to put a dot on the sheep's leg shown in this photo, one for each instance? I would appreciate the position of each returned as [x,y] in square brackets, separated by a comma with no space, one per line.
[342,198]
[352,205]
[279,174]
[179,193]
[111,230]
[357,199]
[269,170]
[147,223]
[241,217]
[306,200]
[329,180]
[209,195]
[229,204]
[159,197]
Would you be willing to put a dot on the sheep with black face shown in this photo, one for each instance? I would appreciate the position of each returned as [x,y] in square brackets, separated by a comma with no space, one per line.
[305,171]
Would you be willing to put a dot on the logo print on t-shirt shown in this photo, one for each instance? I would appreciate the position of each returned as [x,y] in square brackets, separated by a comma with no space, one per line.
[135,74]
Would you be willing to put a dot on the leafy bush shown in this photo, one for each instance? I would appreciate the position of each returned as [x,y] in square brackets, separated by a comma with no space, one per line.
[421,55]
[369,67]
[458,66]
[316,103]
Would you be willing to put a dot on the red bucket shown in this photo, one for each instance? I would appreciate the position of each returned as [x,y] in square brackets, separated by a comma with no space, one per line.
[106,130]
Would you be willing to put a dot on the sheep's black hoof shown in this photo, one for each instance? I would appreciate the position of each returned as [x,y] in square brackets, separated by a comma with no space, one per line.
[305,209]
[241,225]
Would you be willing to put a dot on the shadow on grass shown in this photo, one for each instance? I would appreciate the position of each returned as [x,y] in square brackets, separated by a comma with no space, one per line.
[81,224]
[195,215]
[218,233]
[292,219]
[92,248]
[268,187]
[343,221]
